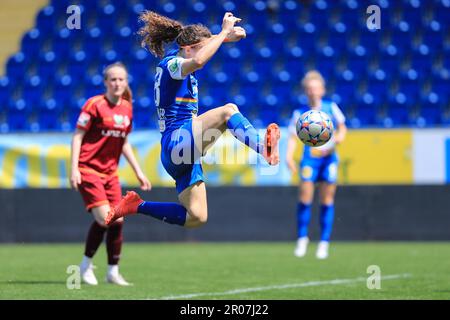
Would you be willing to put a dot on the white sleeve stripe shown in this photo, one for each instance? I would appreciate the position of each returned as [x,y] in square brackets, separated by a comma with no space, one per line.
[337,113]
[174,68]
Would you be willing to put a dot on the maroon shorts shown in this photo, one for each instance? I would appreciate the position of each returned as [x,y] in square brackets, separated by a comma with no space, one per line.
[99,189]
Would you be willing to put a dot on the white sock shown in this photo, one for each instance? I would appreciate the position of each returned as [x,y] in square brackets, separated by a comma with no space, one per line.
[113,269]
[86,262]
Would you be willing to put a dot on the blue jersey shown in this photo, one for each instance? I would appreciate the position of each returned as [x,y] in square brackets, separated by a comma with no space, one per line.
[176,97]
[336,116]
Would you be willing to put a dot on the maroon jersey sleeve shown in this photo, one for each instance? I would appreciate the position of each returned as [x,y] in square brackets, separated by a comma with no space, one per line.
[88,113]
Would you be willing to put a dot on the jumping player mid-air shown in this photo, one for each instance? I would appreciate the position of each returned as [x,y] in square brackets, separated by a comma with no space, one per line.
[317,165]
[184,133]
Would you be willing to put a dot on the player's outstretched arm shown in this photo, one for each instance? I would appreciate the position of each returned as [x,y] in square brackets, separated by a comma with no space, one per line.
[210,48]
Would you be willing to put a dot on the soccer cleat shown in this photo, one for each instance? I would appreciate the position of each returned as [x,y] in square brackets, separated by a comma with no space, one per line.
[116,278]
[88,276]
[271,144]
[302,246]
[322,250]
[128,205]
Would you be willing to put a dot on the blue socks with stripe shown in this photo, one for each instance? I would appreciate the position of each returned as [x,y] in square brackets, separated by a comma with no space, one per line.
[326,221]
[168,212]
[243,130]
[303,219]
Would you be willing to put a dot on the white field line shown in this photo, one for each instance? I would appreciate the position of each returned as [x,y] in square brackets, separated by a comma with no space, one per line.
[280,287]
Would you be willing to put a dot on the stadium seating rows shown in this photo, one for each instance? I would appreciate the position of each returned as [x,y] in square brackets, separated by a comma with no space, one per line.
[398,75]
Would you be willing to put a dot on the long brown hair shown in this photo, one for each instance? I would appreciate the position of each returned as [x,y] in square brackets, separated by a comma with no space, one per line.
[127,94]
[159,30]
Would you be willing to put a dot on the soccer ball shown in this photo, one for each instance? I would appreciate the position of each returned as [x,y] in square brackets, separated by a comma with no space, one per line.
[314,128]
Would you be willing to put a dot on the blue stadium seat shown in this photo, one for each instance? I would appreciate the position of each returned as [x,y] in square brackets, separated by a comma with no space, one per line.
[357,61]
[433,39]
[346,91]
[4,92]
[440,12]
[399,116]
[403,67]
[338,37]
[366,116]
[441,87]
[432,114]
[318,12]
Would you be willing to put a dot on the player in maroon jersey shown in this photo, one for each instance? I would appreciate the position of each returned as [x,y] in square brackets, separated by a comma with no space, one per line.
[99,140]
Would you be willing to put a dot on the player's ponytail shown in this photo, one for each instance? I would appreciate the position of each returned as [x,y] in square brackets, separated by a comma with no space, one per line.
[128,94]
[159,30]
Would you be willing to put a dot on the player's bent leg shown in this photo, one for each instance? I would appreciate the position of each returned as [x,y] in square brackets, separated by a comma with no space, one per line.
[209,126]
[194,200]
[131,203]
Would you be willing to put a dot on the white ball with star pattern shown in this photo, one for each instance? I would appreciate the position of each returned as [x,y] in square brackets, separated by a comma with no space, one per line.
[314,128]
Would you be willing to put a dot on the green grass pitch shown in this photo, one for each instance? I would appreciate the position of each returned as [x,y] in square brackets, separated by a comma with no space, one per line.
[412,270]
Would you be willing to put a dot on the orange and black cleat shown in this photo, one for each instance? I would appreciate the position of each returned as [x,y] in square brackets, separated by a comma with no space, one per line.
[127,206]
[271,153]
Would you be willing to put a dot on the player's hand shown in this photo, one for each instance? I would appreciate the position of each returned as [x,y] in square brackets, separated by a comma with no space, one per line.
[75,179]
[145,183]
[291,165]
[228,22]
[236,34]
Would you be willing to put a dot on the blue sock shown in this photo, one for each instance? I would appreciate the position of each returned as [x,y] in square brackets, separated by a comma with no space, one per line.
[303,218]
[243,130]
[168,212]
[326,221]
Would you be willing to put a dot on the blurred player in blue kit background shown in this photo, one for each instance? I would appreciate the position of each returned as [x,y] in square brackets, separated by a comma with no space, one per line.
[318,165]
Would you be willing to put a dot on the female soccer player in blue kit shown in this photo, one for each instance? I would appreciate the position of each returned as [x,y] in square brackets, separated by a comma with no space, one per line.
[184,133]
[318,164]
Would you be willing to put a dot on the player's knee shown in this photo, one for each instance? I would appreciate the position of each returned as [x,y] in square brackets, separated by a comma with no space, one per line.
[327,201]
[229,109]
[305,196]
[198,217]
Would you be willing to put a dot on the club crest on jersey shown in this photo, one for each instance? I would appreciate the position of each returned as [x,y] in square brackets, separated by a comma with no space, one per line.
[121,121]
[173,66]
[83,119]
